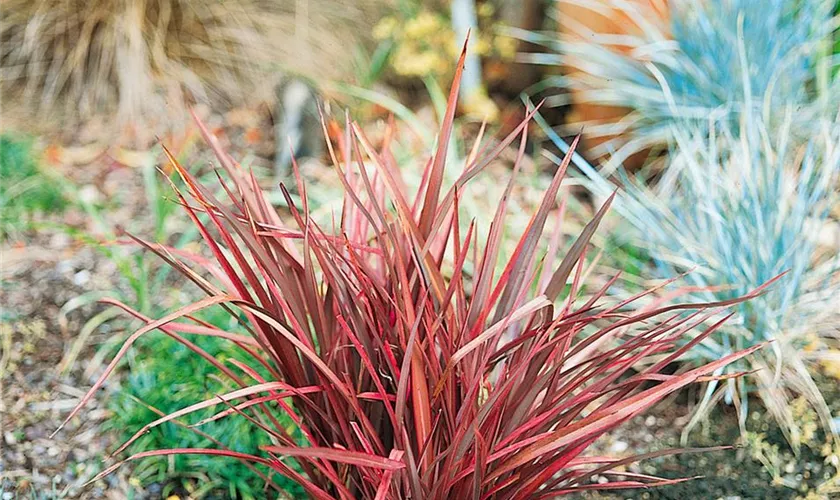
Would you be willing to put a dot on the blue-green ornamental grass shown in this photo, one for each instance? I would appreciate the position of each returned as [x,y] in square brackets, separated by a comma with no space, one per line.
[691,67]
[740,95]
[733,208]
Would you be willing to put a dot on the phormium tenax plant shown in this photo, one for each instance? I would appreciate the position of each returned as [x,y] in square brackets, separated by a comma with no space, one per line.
[406,378]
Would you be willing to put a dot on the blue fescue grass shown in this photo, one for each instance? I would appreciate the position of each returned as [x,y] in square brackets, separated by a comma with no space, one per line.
[739,92]
[711,57]
[734,207]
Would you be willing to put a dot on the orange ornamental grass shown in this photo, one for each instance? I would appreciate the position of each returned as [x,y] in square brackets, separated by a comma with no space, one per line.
[405,378]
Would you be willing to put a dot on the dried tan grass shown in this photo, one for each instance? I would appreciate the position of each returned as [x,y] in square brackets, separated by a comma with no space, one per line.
[136,62]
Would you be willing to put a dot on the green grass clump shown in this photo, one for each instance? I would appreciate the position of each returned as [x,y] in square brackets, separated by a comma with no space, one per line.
[163,383]
[24,189]
[162,374]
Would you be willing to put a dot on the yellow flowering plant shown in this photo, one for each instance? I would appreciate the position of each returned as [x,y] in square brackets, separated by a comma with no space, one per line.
[422,42]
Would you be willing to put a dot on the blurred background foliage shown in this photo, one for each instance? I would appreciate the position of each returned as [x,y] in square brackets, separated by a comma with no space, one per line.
[26,191]
[670,96]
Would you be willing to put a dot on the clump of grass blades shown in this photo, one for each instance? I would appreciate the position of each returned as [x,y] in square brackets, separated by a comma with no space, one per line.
[703,58]
[744,205]
[146,394]
[406,380]
[137,60]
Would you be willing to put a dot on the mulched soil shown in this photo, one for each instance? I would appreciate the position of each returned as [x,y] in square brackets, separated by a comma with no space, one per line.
[38,279]
[732,474]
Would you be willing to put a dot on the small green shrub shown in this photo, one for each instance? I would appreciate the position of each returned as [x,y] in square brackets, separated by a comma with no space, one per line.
[151,382]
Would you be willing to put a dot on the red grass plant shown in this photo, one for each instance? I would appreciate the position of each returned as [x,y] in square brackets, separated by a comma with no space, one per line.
[406,378]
